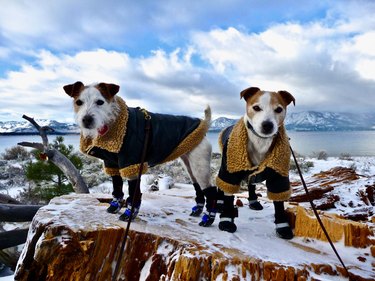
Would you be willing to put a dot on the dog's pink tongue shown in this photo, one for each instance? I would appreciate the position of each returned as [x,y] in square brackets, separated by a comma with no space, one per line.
[103,130]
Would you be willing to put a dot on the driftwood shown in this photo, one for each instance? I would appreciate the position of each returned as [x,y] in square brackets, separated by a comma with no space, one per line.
[57,157]
[13,238]
[18,213]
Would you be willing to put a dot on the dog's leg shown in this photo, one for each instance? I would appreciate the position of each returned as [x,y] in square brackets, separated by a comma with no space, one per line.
[199,159]
[117,194]
[229,213]
[254,204]
[283,229]
[126,216]
[199,196]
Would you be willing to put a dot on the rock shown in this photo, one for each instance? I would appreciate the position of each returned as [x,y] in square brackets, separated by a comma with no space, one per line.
[74,238]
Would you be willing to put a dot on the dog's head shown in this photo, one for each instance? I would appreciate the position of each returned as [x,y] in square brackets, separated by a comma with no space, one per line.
[95,106]
[265,111]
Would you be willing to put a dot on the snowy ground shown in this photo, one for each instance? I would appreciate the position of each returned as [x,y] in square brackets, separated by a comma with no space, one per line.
[255,235]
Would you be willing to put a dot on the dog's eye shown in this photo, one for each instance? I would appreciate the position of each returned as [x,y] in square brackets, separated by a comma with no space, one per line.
[279,109]
[79,102]
[256,108]
[99,102]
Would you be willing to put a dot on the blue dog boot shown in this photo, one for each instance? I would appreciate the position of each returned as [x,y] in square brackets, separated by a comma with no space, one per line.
[197,210]
[208,218]
[115,205]
[128,215]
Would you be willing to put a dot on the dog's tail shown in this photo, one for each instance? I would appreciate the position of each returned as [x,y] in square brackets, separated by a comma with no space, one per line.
[207,114]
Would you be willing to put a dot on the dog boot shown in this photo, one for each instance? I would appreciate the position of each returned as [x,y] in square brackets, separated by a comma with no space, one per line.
[128,215]
[115,205]
[283,229]
[254,204]
[209,216]
[197,210]
[227,216]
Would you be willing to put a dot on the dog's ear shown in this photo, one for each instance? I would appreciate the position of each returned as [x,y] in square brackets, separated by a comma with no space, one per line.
[108,90]
[73,90]
[287,97]
[248,92]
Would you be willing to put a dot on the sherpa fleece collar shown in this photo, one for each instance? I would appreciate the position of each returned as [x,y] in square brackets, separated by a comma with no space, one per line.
[278,157]
[112,140]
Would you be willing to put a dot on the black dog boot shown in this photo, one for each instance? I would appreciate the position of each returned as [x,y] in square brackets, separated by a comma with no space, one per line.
[197,210]
[283,229]
[254,204]
[209,216]
[227,216]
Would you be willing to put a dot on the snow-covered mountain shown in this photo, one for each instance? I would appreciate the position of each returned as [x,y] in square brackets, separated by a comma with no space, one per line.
[301,121]
[25,127]
[315,121]
[329,121]
[221,123]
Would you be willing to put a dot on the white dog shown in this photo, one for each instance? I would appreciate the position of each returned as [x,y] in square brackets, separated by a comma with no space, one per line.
[257,147]
[115,133]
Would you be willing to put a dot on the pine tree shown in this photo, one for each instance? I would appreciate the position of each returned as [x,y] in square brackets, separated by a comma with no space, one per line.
[49,181]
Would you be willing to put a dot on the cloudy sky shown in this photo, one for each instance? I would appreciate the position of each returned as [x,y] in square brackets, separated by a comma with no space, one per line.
[177,56]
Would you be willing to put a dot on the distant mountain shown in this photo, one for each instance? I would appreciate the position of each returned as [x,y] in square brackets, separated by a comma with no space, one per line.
[26,128]
[301,121]
[221,123]
[315,121]
[329,121]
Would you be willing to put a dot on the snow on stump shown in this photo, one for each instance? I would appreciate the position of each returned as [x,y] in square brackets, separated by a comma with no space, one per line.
[74,238]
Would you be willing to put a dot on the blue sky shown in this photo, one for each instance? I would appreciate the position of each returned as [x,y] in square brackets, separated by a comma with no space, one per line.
[177,56]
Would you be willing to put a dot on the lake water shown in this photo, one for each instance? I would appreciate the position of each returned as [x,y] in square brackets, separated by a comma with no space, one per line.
[355,143]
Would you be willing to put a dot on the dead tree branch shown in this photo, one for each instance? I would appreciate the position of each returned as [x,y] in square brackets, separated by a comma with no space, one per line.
[57,158]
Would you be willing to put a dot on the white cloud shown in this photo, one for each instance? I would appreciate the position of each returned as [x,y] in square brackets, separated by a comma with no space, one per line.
[327,64]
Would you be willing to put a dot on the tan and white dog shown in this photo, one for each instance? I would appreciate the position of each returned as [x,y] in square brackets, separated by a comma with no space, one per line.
[257,148]
[115,133]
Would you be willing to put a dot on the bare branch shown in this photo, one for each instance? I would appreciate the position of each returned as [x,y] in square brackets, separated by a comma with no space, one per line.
[69,170]
[42,130]
[35,145]
[57,158]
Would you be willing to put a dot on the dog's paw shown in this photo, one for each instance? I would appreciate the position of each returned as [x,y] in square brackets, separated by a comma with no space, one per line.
[255,205]
[207,219]
[228,226]
[284,231]
[197,210]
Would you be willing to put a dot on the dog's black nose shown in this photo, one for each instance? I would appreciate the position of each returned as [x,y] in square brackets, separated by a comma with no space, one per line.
[87,121]
[267,127]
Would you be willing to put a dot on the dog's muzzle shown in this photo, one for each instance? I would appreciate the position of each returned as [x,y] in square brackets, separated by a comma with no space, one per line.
[267,127]
[88,121]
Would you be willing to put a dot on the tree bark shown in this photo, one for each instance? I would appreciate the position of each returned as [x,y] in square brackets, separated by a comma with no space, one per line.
[18,213]
[12,238]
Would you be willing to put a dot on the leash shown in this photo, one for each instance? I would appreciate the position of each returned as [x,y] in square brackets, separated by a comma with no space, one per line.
[317,215]
[137,191]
